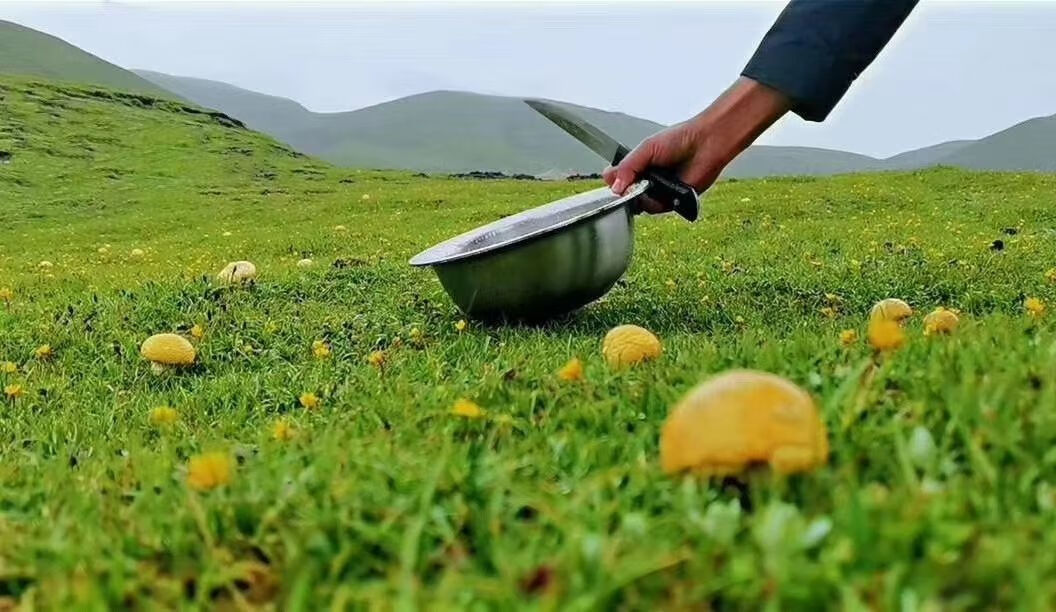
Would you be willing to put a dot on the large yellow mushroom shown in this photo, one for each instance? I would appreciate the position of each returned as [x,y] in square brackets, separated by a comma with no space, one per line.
[165,351]
[238,272]
[626,345]
[891,309]
[940,321]
[743,418]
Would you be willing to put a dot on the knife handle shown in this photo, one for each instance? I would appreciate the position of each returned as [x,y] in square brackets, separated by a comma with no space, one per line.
[665,187]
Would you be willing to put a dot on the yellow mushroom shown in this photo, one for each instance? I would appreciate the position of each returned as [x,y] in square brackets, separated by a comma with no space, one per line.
[891,309]
[940,321]
[626,345]
[743,418]
[238,272]
[166,351]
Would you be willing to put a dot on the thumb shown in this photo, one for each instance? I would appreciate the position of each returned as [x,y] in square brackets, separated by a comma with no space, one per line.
[635,163]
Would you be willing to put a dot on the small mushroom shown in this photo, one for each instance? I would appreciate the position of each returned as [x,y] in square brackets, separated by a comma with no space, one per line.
[891,309]
[940,321]
[743,418]
[238,272]
[626,345]
[165,351]
[137,253]
[305,263]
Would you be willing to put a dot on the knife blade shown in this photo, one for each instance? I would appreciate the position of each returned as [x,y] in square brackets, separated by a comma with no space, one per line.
[664,186]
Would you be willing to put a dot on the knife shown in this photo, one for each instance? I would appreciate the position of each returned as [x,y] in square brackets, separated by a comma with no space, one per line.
[664,186]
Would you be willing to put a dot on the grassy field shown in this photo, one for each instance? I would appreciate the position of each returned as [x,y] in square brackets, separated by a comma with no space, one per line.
[383,499]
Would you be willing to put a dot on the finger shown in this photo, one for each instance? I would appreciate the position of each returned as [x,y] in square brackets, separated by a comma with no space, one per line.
[609,175]
[634,164]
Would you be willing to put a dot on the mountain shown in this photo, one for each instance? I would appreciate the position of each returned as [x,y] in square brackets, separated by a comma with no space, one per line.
[27,52]
[451,131]
[1030,145]
[927,156]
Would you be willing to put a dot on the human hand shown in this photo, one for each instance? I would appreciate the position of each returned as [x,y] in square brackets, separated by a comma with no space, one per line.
[699,149]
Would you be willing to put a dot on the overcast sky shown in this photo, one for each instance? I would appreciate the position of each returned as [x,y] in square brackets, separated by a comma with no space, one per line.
[955,70]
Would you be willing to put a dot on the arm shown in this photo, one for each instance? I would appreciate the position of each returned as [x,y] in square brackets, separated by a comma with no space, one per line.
[805,63]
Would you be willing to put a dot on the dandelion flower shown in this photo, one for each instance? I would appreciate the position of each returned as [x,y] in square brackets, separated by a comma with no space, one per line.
[1035,307]
[14,392]
[163,415]
[461,325]
[940,321]
[8,367]
[571,371]
[376,359]
[197,332]
[283,431]
[416,334]
[467,409]
[848,337]
[310,401]
[320,349]
[43,352]
[886,335]
[208,471]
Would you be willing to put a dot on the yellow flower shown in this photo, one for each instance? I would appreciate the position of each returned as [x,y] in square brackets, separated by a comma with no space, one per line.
[163,415]
[6,295]
[283,431]
[416,334]
[8,367]
[832,298]
[572,371]
[886,335]
[310,401]
[461,325]
[320,349]
[376,359]
[208,471]
[43,351]
[829,312]
[468,409]
[848,337]
[1034,306]
[197,332]
[14,391]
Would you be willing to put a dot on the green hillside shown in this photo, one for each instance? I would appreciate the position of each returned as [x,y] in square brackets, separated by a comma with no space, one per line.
[117,212]
[27,52]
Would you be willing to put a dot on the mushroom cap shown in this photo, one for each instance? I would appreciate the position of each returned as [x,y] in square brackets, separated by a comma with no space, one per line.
[891,309]
[305,263]
[629,344]
[940,321]
[238,272]
[741,418]
[168,349]
[137,253]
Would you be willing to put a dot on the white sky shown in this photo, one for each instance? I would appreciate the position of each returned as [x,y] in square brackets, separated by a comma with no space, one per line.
[955,70]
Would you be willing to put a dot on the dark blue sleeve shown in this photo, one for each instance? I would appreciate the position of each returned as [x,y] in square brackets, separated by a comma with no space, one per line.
[816,49]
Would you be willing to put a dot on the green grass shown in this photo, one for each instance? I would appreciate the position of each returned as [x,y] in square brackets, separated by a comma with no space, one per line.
[387,501]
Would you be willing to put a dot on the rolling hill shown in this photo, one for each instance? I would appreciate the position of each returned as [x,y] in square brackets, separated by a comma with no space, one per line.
[27,52]
[1030,145]
[451,131]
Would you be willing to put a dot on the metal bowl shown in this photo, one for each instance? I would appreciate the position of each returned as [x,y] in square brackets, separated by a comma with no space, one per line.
[540,263]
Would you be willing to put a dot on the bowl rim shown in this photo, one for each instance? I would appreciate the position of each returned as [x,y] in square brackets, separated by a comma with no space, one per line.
[440,253]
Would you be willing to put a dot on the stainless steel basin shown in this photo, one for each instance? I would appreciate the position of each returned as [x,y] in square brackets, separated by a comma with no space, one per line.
[540,263]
